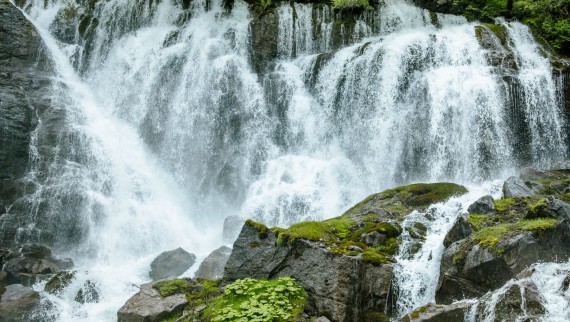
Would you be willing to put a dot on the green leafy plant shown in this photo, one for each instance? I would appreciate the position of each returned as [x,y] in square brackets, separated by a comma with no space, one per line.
[258,301]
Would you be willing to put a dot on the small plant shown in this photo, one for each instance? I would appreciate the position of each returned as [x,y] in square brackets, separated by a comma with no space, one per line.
[352,4]
[258,300]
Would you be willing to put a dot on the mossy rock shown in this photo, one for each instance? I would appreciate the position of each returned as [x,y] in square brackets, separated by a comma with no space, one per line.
[199,293]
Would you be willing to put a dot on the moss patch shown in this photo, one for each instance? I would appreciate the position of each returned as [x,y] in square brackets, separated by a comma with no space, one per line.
[502,205]
[198,292]
[477,221]
[258,300]
[261,228]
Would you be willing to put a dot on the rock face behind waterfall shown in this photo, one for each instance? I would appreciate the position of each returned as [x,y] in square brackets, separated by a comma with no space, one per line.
[24,86]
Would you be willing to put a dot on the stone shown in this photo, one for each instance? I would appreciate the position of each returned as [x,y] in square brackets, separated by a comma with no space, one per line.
[322,319]
[89,293]
[171,264]
[532,173]
[17,303]
[355,248]
[232,227]
[461,229]
[149,306]
[515,187]
[213,266]
[59,282]
[342,287]
[440,313]
[483,205]
[373,239]
[36,251]
[509,304]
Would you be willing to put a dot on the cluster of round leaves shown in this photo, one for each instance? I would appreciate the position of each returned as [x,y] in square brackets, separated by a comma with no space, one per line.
[259,301]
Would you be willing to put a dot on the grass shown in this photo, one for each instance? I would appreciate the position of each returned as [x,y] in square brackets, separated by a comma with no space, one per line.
[477,221]
[502,205]
[490,236]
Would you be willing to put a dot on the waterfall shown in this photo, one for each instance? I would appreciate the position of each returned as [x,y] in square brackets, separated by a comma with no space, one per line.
[162,125]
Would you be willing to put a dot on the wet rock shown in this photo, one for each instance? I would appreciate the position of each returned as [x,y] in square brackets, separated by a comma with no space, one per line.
[461,229]
[232,227]
[89,293]
[171,264]
[322,319]
[213,266]
[264,40]
[520,300]
[439,313]
[483,205]
[17,303]
[373,239]
[149,306]
[59,282]
[515,187]
[532,173]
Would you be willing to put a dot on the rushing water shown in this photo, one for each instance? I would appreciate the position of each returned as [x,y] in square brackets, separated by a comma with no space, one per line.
[167,129]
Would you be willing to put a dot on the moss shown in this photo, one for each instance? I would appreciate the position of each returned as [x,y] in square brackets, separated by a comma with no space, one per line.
[476,221]
[197,291]
[375,316]
[415,315]
[258,300]
[352,4]
[539,208]
[500,31]
[261,228]
[489,237]
[425,194]
[171,287]
[538,224]
[374,257]
[502,205]
[253,244]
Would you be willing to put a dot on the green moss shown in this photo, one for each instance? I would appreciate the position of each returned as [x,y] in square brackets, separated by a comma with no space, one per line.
[351,4]
[171,287]
[502,205]
[500,31]
[425,194]
[539,208]
[374,257]
[258,300]
[490,236]
[261,228]
[415,315]
[538,224]
[477,221]
[253,244]
[375,316]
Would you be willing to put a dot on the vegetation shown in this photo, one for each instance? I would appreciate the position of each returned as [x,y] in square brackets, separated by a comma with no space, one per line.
[198,292]
[258,300]
[261,228]
[352,4]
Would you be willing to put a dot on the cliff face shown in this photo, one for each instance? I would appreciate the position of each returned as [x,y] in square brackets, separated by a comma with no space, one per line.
[24,92]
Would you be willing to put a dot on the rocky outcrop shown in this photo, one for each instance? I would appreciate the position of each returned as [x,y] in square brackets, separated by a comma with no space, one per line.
[515,187]
[149,306]
[17,303]
[213,266]
[30,263]
[483,205]
[171,264]
[24,90]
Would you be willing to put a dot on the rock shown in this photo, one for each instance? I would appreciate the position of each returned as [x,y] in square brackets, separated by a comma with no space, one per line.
[171,264]
[532,173]
[483,205]
[36,251]
[17,303]
[264,41]
[373,239]
[515,187]
[213,266]
[149,306]
[509,305]
[322,319]
[232,227]
[344,287]
[355,248]
[439,313]
[461,229]
[60,281]
[89,293]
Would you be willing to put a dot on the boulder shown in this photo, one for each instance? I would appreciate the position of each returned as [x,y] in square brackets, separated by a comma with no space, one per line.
[461,229]
[17,303]
[373,239]
[89,293]
[149,306]
[59,282]
[532,173]
[171,264]
[342,287]
[520,301]
[213,266]
[439,313]
[483,205]
[515,187]
[232,227]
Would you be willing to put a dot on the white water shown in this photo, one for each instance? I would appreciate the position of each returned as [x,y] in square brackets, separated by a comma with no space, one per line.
[168,130]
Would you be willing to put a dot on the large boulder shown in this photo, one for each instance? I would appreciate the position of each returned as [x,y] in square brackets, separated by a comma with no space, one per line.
[439,313]
[213,266]
[149,306]
[17,303]
[483,205]
[461,229]
[516,187]
[171,264]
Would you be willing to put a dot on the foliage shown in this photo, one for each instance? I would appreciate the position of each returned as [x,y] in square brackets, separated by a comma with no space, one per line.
[198,291]
[476,221]
[502,205]
[550,18]
[171,287]
[489,237]
[258,300]
[261,228]
[352,4]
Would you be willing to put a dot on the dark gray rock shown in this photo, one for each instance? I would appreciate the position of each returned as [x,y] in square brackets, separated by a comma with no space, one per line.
[515,187]
[171,264]
[89,293]
[532,173]
[213,266]
[561,165]
[461,229]
[341,287]
[59,282]
[483,205]
[373,239]
[520,300]
[439,313]
[149,306]
[232,227]
[18,303]
[264,40]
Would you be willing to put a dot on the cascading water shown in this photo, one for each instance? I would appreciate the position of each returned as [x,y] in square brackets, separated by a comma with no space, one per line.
[169,127]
